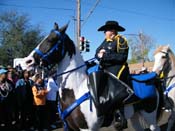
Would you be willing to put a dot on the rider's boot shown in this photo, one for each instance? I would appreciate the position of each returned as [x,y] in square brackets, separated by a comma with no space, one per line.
[120,120]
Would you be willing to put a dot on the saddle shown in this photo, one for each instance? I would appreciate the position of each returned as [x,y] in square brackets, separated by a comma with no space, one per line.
[107,92]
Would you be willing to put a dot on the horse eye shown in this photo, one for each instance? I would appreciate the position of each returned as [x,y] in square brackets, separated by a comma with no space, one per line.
[164,57]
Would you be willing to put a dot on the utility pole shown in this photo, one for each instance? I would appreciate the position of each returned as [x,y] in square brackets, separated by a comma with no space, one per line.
[78,22]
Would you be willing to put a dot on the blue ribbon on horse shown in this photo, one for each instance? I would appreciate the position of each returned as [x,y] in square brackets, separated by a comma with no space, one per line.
[76,103]
[67,111]
[168,89]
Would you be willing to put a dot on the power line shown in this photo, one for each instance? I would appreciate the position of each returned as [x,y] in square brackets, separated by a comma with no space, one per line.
[90,12]
[138,13]
[39,7]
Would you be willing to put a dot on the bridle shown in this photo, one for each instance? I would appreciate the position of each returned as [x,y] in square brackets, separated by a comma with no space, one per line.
[164,79]
[165,65]
[58,46]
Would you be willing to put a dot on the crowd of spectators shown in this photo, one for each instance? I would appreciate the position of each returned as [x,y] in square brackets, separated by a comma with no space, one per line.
[27,103]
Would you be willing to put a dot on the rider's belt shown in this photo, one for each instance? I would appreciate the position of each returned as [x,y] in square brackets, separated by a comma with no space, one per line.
[120,71]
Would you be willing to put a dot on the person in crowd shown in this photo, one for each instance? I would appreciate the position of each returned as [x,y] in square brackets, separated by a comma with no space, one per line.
[52,100]
[12,74]
[18,68]
[7,101]
[25,100]
[39,101]
[112,55]
[10,68]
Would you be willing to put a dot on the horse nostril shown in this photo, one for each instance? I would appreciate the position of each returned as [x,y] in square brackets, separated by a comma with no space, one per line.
[28,62]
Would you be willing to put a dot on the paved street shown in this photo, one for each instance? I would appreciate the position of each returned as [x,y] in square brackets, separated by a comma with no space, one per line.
[162,124]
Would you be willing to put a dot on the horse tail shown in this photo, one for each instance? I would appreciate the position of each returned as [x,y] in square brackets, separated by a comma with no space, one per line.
[161,99]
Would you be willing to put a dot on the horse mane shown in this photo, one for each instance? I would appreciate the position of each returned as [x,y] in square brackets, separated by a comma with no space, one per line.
[172,57]
[70,46]
[159,49]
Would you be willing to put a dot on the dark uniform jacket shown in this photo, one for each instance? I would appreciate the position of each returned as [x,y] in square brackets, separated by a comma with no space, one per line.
[106,92]
[115,57]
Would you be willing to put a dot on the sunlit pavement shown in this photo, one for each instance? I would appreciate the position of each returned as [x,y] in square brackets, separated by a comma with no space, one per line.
[162,123]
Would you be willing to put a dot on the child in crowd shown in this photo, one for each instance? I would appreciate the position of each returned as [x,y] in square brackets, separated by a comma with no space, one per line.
[39,97]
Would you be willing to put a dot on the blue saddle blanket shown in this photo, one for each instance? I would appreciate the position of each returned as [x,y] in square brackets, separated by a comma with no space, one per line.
[144,85]
[93,69]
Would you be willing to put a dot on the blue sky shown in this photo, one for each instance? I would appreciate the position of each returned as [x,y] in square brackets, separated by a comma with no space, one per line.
[155,18]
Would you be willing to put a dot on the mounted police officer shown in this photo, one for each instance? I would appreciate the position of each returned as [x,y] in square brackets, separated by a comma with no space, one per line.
[112,55]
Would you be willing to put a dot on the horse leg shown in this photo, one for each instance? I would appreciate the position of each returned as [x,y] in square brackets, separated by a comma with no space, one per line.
[150,119]
[171,121]
[96,126]
[133,116]
[135,122]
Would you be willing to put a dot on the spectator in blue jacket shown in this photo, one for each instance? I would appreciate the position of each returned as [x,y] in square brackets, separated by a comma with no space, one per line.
[25,99]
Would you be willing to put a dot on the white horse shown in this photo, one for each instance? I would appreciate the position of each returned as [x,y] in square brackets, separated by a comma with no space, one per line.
[57,48]
[165,63]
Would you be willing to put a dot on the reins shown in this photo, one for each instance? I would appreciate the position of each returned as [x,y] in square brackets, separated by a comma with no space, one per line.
[69,71]
[169,77]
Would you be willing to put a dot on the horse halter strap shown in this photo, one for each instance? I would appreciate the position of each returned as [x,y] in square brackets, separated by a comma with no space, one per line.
[166,53]
[44,56]
[166,56]
[167,90]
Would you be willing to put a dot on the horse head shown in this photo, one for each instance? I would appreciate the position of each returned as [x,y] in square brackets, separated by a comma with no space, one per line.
[52,49]
[163,60]
[58,48]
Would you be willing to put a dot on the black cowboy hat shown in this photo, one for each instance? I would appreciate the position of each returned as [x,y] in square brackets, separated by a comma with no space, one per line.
[111,25]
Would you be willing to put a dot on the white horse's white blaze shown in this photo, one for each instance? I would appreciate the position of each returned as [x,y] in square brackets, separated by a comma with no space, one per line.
[158,67]
[29,60]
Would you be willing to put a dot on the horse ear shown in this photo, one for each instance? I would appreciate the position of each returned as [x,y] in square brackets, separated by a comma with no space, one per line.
[167,47]
[56,27]
[64,28]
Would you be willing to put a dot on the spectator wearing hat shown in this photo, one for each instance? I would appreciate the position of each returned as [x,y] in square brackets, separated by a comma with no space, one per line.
[112,55]
[7,101]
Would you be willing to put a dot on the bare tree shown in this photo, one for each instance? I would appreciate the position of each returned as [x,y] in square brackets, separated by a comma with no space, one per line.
[140,46]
